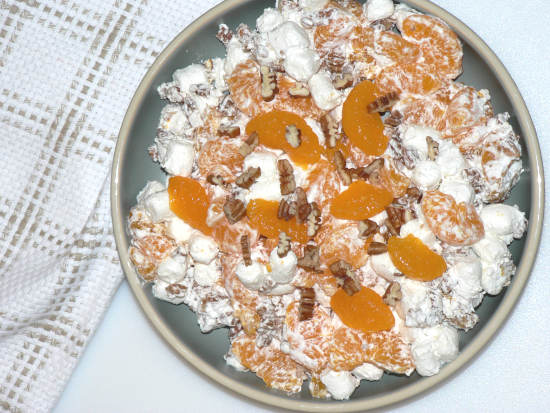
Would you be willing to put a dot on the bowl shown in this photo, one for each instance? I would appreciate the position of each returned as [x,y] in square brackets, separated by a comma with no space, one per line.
[132,168]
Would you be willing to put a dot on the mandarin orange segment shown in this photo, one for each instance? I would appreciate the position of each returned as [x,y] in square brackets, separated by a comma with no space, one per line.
[414,78]
[307,279]
[440,45]
[414,259]
[262,216]
[322,181]
[360,201]
[271,128]
[227,235]
[339,240]
[329,37]
[188,200]
[394,181]
[309,340]
[385,349]
[275,368]
[364,310]
[364,130]
[467,109]
[424,110]
[394,47]
[303,106]
[220,157]
[455,224]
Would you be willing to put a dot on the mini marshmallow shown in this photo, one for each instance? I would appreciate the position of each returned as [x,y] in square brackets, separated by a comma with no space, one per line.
[282,268]
[414,139]
[378,9]
[368,371]
[252,276]
[301,63]
[173,119]
[172,270]
[449,159]
[234,55]
[179,230]
[151,188]
[340,384]
[426,175]
[432,347]
[313,5]
[191,75]
[505,221]
[178,158]
[281,289]
[206,274]
[158,206]
[287,35]
[202,249]
[323,92]
[159,291]
[267,185]
[420,230]
[383,266]
[460,190]
[269,20]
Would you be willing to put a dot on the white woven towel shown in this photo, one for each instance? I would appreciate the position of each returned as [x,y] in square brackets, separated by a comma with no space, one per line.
[67,73]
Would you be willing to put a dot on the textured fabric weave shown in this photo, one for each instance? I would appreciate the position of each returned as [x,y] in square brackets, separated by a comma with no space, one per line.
[68,71]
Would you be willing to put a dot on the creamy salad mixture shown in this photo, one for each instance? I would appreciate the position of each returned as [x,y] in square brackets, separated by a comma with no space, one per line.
[333,196]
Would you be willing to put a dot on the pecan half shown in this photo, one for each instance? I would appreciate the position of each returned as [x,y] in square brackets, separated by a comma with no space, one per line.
[313,220]
[245,248]
[283,247]
[215,180]
[268,83]
[248,177]
[433,148]
[367,228]
[229,130]
[286,177]
[293,136]
[176,289]
[303,208]
[224,35]
[331,130]
[307,303]
[394,119]
[234,210]
[343,81]
[300,90]
[376,248]
[383,103]
[340,163]
[393,294]
[346,276]
[249,144]
[310,261]
[395,217]
[286,210]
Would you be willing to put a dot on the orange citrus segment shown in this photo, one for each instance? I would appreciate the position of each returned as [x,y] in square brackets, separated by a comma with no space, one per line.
[275,368]
[394,47]
[188,200]
[341,241]
[412,78]
[322,182]
[385,349]
[365,130]
[271,128]
[394,181]
[414,259]
[360,201]
[364,310]
[262,215]
[456,224]
[220,157]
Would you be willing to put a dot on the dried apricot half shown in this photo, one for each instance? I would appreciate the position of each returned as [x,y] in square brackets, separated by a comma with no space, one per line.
[414,259]
[360,201]
[188,200]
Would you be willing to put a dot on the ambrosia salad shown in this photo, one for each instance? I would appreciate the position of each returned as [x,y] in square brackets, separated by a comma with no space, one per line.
[333,195]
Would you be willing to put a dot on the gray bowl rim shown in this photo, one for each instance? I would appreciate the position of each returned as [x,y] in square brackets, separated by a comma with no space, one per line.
[484,336]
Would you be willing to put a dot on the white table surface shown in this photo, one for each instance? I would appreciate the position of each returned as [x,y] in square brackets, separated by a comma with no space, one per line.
[128,367]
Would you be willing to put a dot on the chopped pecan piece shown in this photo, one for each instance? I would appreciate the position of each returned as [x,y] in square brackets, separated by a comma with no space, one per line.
[303,208]
[351,286]
[229,130]
[176,289]
[376,248]
[334,60]
[313,220]
[395,217]
[234,210]
[433,148]
[393,294]
[249,144]
[286,210]
[227,107]
[300,90]
[208,64]
[245,248]
[286,177]
[383,103]
[248,177]
[340,268]
[331,130]
[224,35]
[346,276]
[367,228]
[414,194]
[215,180]
[268,83]
[374,166]
[394,119]
[293,136]
[340,163]
[343,81]
[310,261]
[283,247]
[307,303]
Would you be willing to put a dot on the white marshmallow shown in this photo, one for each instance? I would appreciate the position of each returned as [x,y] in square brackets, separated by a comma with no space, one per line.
[432,347]
[281,289]
[301,63]
[322,90]
[269,20]
[378,9]
[190,75]
[465,277]
[267,185]
[340,384]
[173,119]
[414,139]
[252,276]
[460,190]
[207,274]
[178,158]
[505,221]
[159,291]
[420,230]
[282,268]
[316,128]
[202,249]
[172,270]
[383,266]
[149,189]
[496,261]
[158,206]
[426,175]
[179,230]
[313,5]
[287,35]
[234,56]
[420,305]
[449,159]
[491,248]
[368,371]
